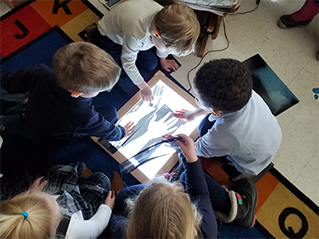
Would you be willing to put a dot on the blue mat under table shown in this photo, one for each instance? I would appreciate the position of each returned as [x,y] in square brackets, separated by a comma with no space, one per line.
[269,86]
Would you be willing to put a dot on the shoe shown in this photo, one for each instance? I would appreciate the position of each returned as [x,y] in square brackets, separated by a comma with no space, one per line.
[177,171]
[171,176]
[247,196]
[286,21]
[180,168]
[91,32]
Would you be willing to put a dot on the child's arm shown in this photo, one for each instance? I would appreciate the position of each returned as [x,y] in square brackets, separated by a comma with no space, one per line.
[20,81]
[130,50]
[96,125]
[197,188]
[92,228]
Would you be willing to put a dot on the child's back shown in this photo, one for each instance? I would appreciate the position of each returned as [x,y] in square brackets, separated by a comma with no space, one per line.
[59,106]
[241,126]
[130,33]
[249,137]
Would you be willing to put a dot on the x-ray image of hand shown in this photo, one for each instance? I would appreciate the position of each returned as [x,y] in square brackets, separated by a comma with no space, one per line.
[162,122]
[163,125]
[140,113]
[168,125]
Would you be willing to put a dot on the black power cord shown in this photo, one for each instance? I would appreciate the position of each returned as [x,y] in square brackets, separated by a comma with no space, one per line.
[223,49]
[257,4]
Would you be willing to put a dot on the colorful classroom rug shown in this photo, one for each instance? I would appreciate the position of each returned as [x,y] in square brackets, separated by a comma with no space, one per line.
[36,29]
[32,32]
[282,210]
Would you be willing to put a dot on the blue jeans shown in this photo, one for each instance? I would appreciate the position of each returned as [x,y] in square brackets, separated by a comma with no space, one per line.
[204,126]
[218,195]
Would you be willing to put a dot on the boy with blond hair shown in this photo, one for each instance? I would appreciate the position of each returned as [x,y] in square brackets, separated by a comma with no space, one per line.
[59,108]
[131,29]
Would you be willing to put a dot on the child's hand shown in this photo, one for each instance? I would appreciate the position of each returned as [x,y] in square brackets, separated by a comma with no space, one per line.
[187,115]
[168,64]
[129,128]
[146,91]
[147,94]
[38,185]
[110,199]
[187,146]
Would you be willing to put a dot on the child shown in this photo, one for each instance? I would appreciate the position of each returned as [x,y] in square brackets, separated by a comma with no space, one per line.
[239,125]
[68,213]
[131,29]
[59,108]
[163,209]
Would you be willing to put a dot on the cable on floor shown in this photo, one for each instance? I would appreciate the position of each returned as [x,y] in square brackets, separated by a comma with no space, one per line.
[257,4]
[223,49]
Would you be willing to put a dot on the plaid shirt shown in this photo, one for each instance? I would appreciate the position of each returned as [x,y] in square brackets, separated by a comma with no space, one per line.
[76,192]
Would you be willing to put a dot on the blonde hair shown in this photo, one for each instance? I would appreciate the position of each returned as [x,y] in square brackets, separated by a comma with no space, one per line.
[178,27]
[13,225]
[84,67]
[162,210]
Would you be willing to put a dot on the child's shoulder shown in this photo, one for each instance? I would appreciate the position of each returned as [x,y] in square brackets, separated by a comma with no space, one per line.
[40,69]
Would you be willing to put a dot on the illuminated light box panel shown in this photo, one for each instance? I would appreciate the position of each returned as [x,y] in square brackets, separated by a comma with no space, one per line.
[153,120]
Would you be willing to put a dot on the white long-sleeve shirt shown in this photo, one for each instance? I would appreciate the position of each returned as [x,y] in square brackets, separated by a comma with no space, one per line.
[88,229]
[249,137]
[128,24]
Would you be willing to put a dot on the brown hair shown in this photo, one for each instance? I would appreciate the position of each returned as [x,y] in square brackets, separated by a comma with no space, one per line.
[13,225]
[84,67]
[163,210]
[178,27]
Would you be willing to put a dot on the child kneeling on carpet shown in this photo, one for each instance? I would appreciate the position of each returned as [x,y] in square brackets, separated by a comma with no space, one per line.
[131,29]
[75,207]
[185,209]
[239,125]
[59,108]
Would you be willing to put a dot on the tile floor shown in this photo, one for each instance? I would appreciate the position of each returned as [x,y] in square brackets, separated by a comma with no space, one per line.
[291,53]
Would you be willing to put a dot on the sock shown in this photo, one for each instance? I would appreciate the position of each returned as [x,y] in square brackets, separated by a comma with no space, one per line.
[308,11]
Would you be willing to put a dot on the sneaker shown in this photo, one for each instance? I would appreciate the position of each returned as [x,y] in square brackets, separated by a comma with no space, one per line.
[180,168]
[177,171]
[91,32]
[171,176]
[286,21]
[247,195]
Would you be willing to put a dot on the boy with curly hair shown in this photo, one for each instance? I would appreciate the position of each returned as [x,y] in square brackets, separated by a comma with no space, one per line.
[239,126]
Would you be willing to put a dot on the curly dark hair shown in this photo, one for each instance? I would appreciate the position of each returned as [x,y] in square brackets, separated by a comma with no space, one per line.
[224,84]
